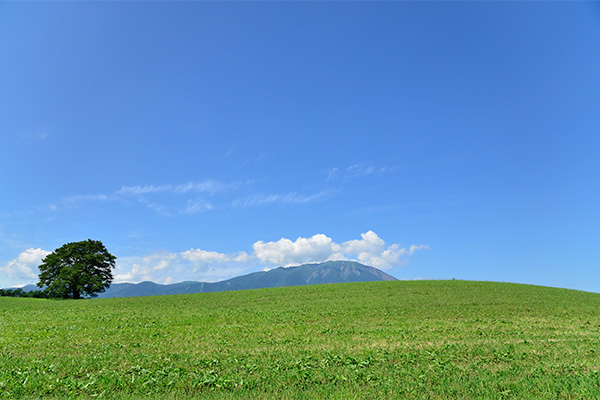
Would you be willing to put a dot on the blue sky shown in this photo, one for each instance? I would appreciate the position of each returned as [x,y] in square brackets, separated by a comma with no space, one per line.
[203,140]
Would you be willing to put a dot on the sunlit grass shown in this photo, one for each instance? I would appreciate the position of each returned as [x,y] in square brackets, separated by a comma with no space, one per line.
[428,339]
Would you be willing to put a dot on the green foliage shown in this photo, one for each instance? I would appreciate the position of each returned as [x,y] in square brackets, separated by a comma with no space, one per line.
[12,292]
[77,269]
[38,294]
[379,340]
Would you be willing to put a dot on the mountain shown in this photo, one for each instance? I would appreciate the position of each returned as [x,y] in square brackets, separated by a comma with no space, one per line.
[307,274]
[30,287]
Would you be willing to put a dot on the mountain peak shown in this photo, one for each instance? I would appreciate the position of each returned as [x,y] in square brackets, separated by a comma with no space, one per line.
[306,274]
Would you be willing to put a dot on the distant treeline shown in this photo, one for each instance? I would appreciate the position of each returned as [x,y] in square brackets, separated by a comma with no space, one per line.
[38,294]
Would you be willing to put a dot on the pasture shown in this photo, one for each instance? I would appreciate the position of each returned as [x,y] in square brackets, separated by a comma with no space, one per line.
[379,340]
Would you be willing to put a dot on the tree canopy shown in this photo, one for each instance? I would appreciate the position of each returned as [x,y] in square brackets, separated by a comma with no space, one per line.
[77,269]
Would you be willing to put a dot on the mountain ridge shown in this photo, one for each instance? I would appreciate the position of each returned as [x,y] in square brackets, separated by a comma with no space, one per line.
[306,274]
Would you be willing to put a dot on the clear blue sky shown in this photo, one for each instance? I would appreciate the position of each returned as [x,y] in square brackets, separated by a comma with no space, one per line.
[202,140]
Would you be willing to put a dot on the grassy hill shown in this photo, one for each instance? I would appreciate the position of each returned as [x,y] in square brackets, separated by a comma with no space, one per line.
[420,339]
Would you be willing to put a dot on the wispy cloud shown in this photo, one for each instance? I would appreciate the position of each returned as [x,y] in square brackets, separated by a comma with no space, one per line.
[166,200]
[195,197]
[258,199]
[159,208]
[179,200]
[37,135]
[207,186]
[332,173]
[87,197]
[139,190]
[196,206]
[357,170]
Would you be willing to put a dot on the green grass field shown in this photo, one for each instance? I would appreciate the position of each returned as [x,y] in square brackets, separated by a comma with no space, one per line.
[416,340]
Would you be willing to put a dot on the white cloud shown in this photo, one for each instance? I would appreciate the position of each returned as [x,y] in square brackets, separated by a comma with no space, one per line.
[153,267]
[369,244]
[289,198]
[285,252]
[158,208]
[38,135]
[364,170]
[370,250]
[207,186]
[159,261]
[197,205]
[178,197]
[416,247]
[331,173]
[139,190]
[135,274]
[87,197]
[217,266]
[197,197]
[190,265]
[210,266]
[23,269]
[356,171]
[203,256]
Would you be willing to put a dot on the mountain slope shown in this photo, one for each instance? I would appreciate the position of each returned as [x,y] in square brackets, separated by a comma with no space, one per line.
[307,274]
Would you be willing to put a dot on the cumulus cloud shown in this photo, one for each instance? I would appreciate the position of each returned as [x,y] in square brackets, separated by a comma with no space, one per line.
[370,250]
[215,265]
[369,244]
[284,252]
[134,273]
[203,256]
[210,266]
[189,265]
[23,269]
[159,261]
[153,267]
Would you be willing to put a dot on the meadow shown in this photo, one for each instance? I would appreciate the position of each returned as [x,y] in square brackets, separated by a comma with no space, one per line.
[378,340]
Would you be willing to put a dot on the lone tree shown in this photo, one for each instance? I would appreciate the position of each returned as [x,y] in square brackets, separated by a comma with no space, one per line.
[77,269]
